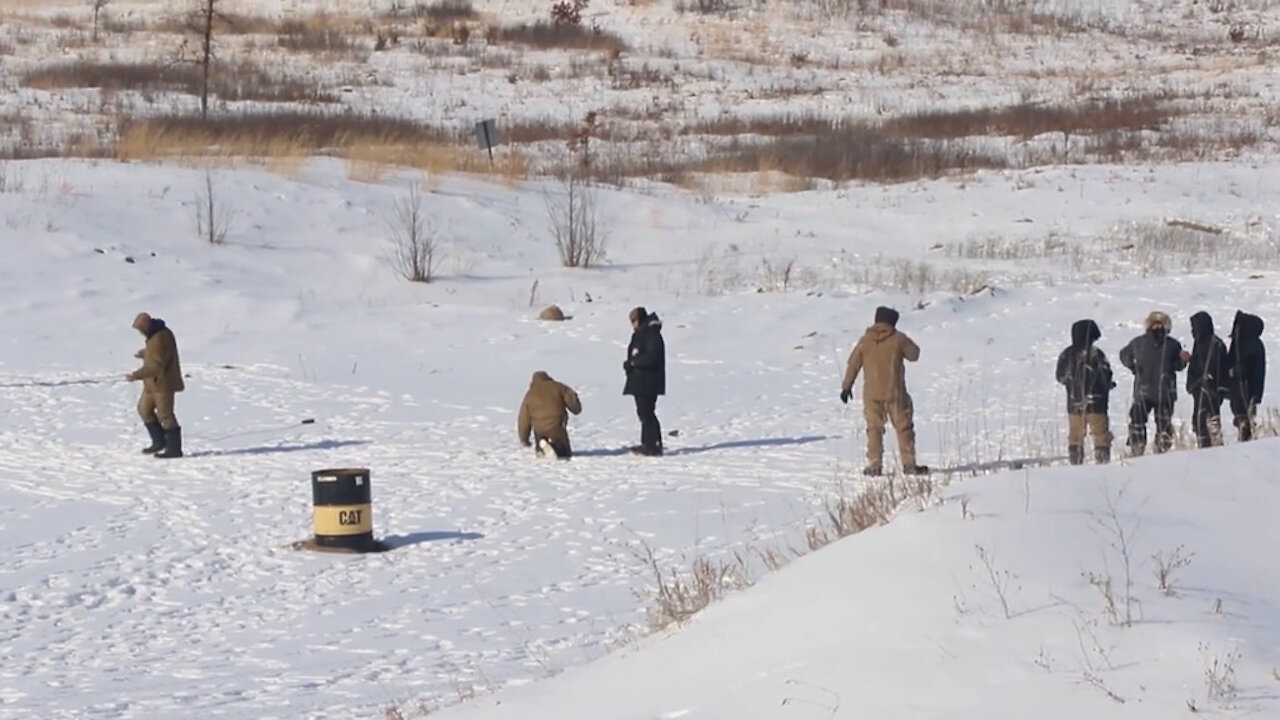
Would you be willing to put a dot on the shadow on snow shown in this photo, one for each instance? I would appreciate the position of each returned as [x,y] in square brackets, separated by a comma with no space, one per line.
[272,449]
[728,445]
[399,541]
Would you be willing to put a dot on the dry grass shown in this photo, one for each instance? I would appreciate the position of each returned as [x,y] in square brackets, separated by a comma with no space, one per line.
[1141,112]
[230,81]
[547,36]
[676,596]
[370,142]
[855,154]
[320,37]
[439,12]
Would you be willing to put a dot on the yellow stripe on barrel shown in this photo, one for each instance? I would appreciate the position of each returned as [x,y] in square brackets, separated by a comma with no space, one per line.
[343,519]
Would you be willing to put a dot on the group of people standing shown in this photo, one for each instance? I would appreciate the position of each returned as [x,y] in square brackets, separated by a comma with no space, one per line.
[1215,371]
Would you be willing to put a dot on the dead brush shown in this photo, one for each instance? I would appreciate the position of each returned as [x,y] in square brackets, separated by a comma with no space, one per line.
[439,12]
[238,81]
[872,504]
[319,38]
[678,597]
[545,35]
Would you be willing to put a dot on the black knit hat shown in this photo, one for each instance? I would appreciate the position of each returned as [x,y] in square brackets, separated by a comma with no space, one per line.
[887,315]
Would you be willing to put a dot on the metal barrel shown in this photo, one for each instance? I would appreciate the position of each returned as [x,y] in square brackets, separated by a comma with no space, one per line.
[342,509]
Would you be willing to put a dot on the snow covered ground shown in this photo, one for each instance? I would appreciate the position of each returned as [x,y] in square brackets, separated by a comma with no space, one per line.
[131,588]
[989,606]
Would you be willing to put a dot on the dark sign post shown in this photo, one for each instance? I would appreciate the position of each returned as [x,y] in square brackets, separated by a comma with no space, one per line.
[487,136]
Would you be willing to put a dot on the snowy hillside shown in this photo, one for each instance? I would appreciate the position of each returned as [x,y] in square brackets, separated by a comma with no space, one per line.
[1034,594]
[131,588]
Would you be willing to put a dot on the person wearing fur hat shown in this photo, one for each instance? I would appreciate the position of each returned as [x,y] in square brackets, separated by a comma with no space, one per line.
[880,353]
[1206,380]
[1246,363]
[646,369]
[1085,373]
[161,376]
[1155,359]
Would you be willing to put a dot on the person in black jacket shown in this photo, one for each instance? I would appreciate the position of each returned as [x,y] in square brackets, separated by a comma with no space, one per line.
[1206,381]
[1246,363]
[1084,371]
[646,368]
[1154,358]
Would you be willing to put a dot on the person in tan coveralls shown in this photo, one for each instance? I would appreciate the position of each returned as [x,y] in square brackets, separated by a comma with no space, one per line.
[161,376]
[545,411]
[880,353]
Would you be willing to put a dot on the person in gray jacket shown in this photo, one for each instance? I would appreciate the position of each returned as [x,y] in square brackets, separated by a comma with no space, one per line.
[1154,358]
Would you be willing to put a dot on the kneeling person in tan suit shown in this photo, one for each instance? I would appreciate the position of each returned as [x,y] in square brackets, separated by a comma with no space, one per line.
[161,377]
[880,353]
[545,411]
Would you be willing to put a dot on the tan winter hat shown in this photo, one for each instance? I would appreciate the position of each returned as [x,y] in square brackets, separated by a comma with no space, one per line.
[1157,318]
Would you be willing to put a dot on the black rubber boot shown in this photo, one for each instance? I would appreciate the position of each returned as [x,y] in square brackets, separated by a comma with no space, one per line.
[1102,455]
[915,470]
[1075,454]
[156,430]
[172,444]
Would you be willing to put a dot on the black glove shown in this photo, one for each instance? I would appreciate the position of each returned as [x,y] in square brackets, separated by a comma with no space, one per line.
[845,395]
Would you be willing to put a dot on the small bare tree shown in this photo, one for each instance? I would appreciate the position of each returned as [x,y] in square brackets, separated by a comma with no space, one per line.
[213,218]
[201,21]
[415,244]
[575,223]
[98,6]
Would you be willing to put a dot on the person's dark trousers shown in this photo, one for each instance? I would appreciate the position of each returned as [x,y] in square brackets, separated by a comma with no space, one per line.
[561,450]
[650,428]
[1206,420]
[1138,413]
[1243,417]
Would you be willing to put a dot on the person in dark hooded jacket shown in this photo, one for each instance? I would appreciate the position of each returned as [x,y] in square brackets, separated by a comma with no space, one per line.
[1246,364]
[1085,373]
[1154,358]
[1206,380]
[646,369]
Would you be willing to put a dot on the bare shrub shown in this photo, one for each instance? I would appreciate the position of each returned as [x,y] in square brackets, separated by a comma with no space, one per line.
[999,579]
[97,6]
[1119,536]
[415,244]
[299,36]
[778,125]
[213,217]
[439,12]
[1140,112]
[201,22]
[853,154]
[918,277]
[676,597]
[574,223]
[1167,565]
[1102,583]
[548,36]
[704,7]
[12,180]
[1219,675]
[777,275]
[568,12]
